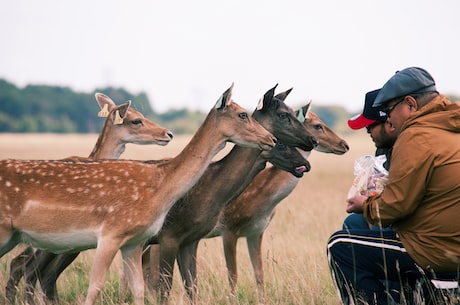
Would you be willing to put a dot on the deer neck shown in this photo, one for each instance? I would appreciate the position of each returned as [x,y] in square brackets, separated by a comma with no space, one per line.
[239,167]
[246,165]
[108,145]
[189,165]
[279,182]
[221,182]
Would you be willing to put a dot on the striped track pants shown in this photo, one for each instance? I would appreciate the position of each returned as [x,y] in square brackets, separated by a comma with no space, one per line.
[367,266]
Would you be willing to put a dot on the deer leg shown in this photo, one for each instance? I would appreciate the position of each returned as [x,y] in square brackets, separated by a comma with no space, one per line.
[37,262]
[151,267]
[105,253]
[255,253]
[186,259]
[49,273]
[230,240]
[168,253]
[17,270]
[132,266]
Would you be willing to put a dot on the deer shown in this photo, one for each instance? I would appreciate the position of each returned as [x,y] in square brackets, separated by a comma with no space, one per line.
[110,205]
[251,212]
[196,213]
[122,125]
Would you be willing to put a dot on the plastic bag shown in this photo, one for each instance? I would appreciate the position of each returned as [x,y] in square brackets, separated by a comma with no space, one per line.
[370,176]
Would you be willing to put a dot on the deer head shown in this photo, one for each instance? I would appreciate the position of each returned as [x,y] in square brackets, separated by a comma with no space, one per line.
[328,140]
[286,127]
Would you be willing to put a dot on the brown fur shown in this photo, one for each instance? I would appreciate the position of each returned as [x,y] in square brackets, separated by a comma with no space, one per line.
[251,212]
[112,204]
[196,214]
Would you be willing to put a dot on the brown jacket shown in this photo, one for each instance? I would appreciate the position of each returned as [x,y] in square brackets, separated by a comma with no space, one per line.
[422,198]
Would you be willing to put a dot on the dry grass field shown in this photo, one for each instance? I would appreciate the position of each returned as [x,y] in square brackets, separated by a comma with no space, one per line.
[294,246]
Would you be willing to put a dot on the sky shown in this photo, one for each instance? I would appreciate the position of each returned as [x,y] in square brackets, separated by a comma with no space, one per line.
[185,54]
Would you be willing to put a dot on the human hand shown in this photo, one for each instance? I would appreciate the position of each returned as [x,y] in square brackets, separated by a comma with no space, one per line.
[355,204]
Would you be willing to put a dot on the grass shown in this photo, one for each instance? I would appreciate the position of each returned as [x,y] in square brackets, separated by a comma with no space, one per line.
[294,247]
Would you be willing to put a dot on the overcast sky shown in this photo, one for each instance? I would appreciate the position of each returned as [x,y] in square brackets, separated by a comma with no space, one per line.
[186,53]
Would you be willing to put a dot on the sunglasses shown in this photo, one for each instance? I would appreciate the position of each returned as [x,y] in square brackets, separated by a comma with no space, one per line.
[388,109]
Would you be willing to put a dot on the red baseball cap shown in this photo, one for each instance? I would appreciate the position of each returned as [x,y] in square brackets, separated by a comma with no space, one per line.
[370,114]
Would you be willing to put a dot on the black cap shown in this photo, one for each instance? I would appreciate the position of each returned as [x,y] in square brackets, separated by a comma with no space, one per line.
[405,82]
[370,114]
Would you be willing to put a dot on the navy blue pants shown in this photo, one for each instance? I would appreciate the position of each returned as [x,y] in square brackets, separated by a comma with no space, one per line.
[368,266]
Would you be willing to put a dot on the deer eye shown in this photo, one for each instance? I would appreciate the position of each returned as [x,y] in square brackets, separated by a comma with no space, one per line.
[243,115]
[136,122]
[318,127]
[283,115]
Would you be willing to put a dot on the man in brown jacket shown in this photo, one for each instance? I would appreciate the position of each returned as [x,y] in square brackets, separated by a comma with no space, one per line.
[421,201]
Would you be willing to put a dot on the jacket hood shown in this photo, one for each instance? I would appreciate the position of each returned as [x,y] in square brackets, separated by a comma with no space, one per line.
[440,113]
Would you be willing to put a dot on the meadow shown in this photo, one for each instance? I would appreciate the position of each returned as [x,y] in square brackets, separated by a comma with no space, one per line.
[294,246]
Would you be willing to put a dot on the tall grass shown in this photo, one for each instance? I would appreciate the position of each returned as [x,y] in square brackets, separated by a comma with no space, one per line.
[294,246]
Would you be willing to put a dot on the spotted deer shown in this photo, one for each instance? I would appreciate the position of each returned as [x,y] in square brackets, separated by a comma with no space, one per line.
[122,125]
[250,213]
[196,213]
[63,206]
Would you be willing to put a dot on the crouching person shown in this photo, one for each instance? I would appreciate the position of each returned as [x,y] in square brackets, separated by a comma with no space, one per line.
[421,201]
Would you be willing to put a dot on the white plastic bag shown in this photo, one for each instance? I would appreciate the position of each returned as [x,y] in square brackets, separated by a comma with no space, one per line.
[370,176]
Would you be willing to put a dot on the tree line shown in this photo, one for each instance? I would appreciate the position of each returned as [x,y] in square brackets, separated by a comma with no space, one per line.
[55,109]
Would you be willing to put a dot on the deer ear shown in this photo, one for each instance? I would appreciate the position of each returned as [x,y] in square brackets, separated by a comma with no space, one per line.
[105,103]
[224,99]
[120,113]
[306,110]
[266,100]
[282,95]
[301,115]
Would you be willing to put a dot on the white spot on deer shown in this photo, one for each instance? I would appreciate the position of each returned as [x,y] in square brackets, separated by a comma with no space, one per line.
[31,204]
[70,190]
[8,184]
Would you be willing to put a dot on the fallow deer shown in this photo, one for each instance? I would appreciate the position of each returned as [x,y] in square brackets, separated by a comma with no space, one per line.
[196,213]
[111,205]
[122,125]
[251,212]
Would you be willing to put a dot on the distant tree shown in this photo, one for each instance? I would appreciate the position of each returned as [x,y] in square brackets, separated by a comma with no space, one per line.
[333,116]
[42,108]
